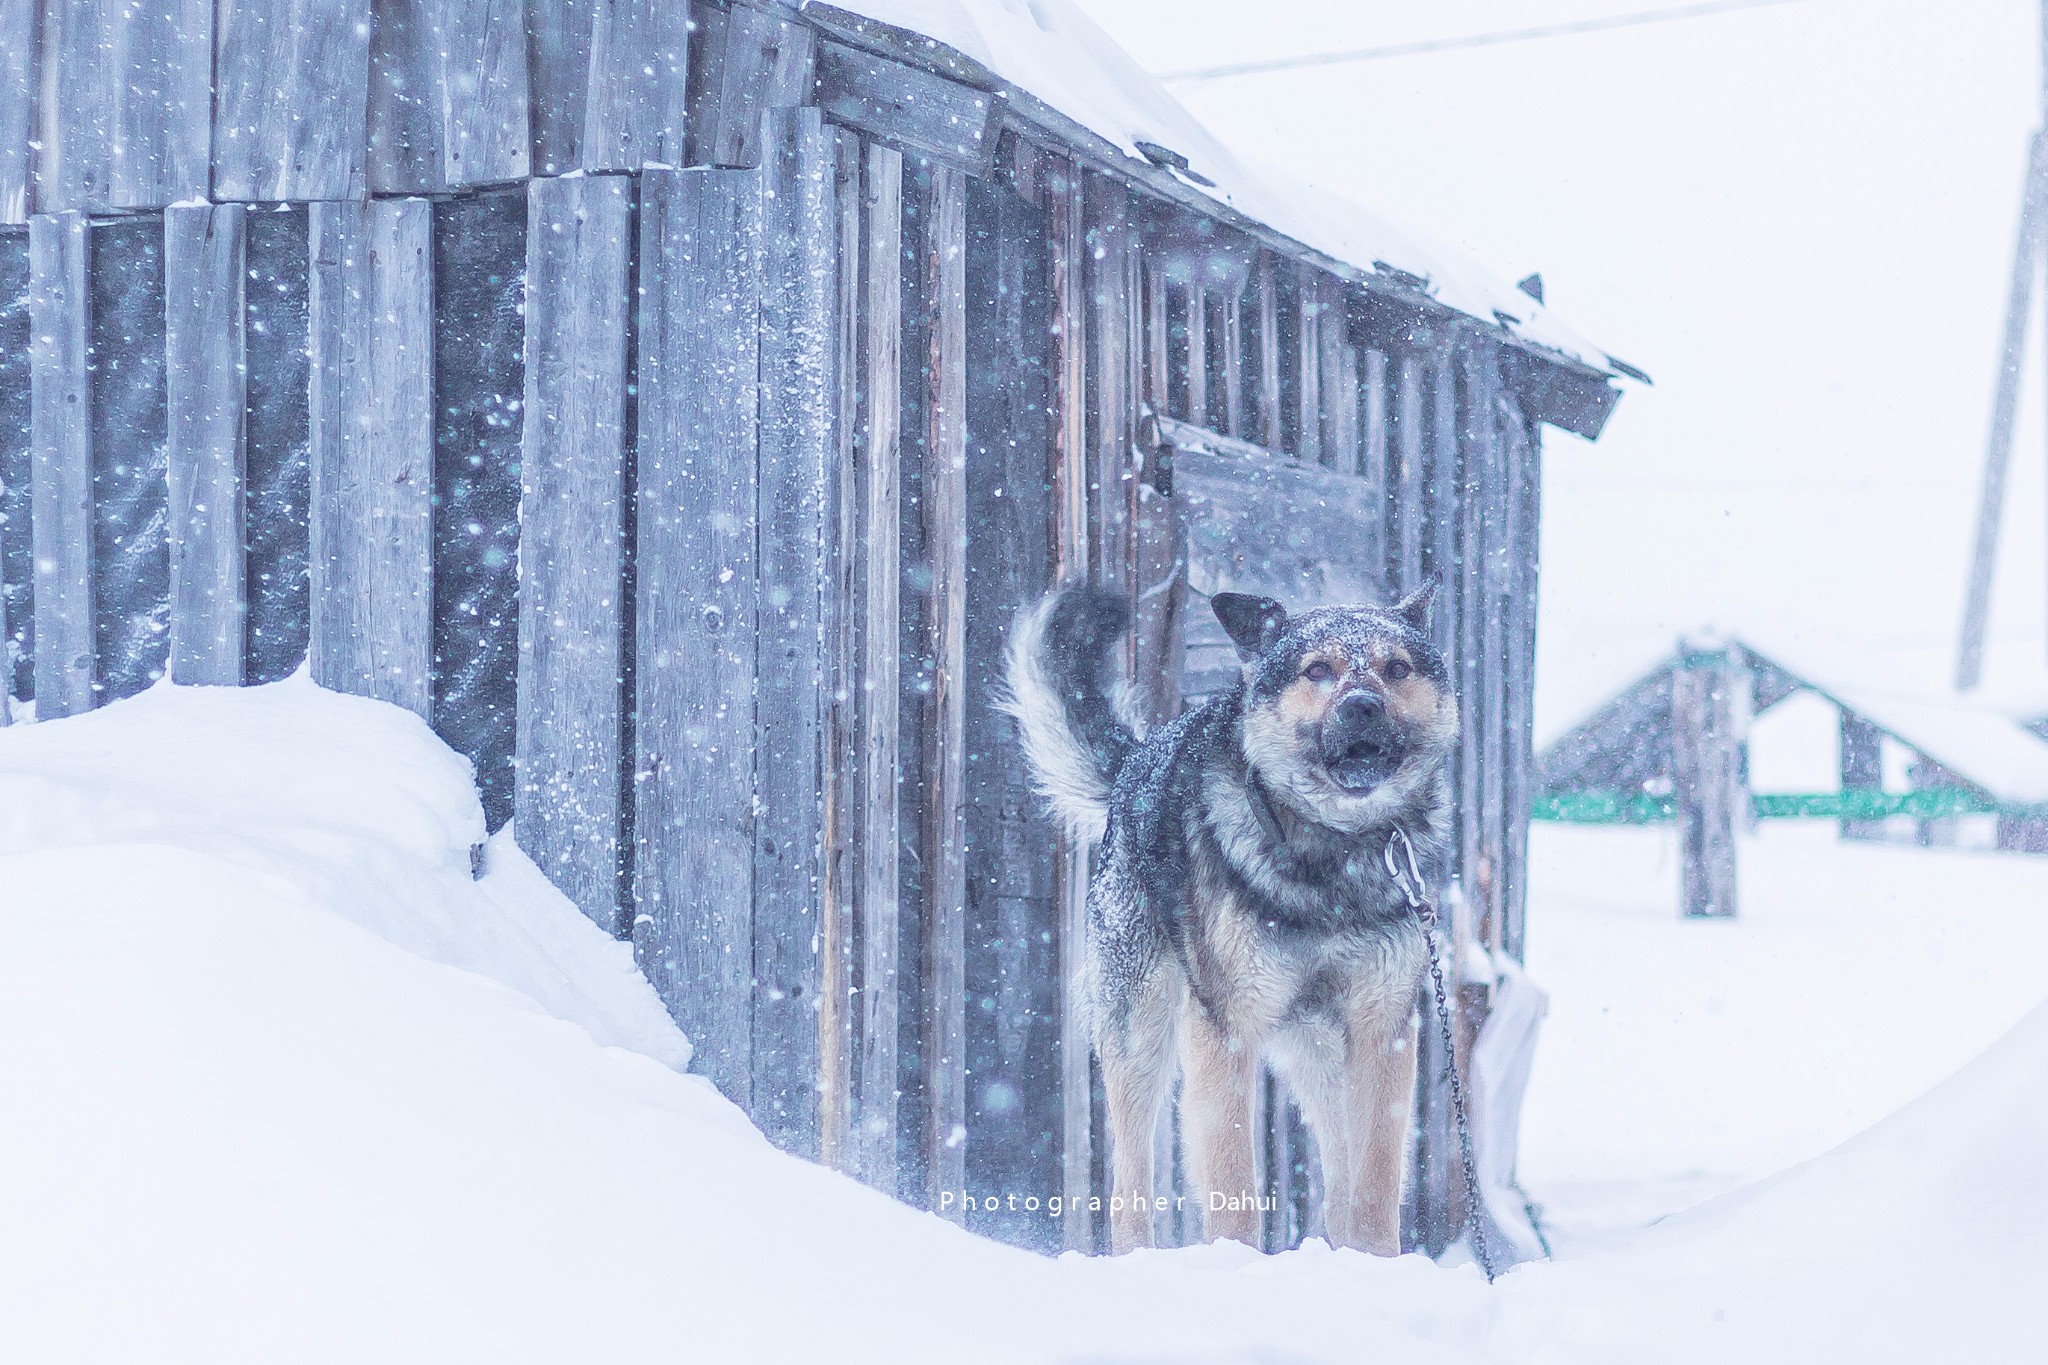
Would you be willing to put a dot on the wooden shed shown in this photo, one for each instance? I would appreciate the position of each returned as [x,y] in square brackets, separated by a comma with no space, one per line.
[671,401]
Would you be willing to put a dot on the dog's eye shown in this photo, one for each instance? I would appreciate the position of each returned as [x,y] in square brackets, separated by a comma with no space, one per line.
[1397,669]
[1318,672]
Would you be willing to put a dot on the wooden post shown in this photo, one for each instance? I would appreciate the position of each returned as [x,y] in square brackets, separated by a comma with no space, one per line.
[1313,408]
[372,322]
[1862,769]
[61,438]
[205,377]
[1267,295]
[17,484]
[573,509]
[1709,705]
[744,62]
[696,608]
[799,377]
[1523,548]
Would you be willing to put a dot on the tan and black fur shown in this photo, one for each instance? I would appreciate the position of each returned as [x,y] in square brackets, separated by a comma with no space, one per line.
[1240,908]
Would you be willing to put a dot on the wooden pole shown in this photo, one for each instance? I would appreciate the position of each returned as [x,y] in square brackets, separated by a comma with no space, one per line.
[1709,702]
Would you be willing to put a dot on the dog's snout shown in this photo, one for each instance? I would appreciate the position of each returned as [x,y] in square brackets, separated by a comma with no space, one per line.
[1360,708]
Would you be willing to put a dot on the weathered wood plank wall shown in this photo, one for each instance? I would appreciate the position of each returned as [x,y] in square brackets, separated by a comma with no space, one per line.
[448,94]
[697,607]
[372,421]
[204,279]
[573,513]
[799,367]
[19,71]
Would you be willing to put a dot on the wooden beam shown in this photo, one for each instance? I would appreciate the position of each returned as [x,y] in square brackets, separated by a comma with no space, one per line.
[924,114]
[61,440]
[204,275]
[1708,706]
[573,509]
[696,608]
[372,522]
[1409,483]
[744,62]
[799,367]
[1310,416]
[1195,317]
[448,104]
[290,101]
[635,110]
[19,82]
[1112,364]
[1236,420]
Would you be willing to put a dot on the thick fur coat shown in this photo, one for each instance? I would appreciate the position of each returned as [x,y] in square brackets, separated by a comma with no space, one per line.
[1240,907]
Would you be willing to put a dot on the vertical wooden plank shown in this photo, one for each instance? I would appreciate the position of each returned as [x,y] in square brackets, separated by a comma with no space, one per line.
[1310,362]
[1708,701]
[878,460]
[372,515]
[799,379]
[944,949]
[558,81]
[276,444]
[1375,422]
[1235,418]
[1111,396]
[1409,486]
[1018,1066]
[1066,226]
[19,81]
[128,102]
[1527,454]
[1337,366]
[17,482]
[1271,418]
[1195,317]
[634,114]
[479,343]
[204,276]
[291,99]
[448,94]
[696,608]
[61,441]
[743,62]
[838,1067]
[572,539]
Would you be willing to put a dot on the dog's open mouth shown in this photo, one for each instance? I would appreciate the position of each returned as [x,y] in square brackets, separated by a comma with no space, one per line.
[1363,763]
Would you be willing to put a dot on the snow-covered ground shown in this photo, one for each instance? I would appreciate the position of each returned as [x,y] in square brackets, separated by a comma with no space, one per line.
[280,1081]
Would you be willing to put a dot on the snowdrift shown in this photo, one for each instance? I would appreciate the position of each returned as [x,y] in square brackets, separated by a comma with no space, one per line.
[282,1081]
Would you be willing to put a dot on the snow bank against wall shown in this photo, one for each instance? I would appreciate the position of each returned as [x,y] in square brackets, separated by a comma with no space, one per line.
[278,1081]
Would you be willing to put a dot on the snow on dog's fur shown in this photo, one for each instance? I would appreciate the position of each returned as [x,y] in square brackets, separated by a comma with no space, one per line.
[1240,907]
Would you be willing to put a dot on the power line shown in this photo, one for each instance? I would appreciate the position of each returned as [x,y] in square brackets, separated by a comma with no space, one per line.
[1517,35]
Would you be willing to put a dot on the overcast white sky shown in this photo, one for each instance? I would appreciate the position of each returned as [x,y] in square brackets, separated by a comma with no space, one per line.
[1799,219]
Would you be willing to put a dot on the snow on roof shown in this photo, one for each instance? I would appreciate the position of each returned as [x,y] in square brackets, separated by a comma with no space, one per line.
[1052,52]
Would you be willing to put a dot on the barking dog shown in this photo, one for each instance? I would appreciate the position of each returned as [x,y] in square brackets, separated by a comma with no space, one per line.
[1240,907]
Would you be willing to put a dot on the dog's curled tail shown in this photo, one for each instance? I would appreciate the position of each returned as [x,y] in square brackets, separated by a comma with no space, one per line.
[1075,717]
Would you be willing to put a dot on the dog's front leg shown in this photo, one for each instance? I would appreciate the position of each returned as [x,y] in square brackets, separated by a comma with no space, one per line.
[1379,1092]
[1216,1124]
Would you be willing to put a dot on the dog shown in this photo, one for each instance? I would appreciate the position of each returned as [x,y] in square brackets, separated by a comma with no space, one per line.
[1242,907]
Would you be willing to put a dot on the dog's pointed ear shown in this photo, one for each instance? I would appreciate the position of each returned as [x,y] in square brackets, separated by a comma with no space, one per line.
[1252,623]
[1414,608]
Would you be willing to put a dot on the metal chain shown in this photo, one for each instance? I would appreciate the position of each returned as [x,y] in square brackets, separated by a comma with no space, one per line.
[1408,877]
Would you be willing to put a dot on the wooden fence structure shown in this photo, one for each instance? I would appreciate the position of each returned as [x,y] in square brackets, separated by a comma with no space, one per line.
[672,403]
